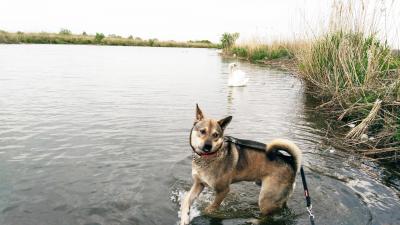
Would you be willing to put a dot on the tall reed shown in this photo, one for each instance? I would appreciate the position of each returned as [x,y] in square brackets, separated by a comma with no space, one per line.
[350,69]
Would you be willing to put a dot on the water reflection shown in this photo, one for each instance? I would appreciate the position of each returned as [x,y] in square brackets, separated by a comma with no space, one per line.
[99,135]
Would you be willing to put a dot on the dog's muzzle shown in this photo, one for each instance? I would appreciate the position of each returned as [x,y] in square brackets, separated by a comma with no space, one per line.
[207,148]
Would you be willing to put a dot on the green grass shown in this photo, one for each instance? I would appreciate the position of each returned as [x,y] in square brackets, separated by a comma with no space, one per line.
[256,53]
[348,69]
[347,66]
[66,37]
[240,51]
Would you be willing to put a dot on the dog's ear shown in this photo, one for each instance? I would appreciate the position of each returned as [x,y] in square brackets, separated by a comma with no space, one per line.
[199,113]
[223,123]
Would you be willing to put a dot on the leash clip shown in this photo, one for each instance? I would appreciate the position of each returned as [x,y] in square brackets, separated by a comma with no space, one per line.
[311,215]
[309,210]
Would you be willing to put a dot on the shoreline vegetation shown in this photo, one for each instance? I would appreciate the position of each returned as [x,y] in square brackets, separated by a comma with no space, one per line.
[352,74]
[65,36]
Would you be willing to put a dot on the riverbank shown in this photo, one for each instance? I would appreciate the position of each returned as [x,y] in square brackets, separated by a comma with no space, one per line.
[66,37]
[351,71]
[355,78]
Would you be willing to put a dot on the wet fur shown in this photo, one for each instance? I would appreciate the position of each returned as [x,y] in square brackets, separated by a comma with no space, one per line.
[231,164]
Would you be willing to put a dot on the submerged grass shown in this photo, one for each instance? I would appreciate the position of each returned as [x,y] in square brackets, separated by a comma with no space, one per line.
[65,37]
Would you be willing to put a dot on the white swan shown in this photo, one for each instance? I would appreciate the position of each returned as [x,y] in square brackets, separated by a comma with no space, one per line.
[237,78]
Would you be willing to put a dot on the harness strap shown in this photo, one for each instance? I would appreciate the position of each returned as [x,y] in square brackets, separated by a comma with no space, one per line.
[245,143]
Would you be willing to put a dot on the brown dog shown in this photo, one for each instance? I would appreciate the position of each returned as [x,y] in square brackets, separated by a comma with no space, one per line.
[217,163]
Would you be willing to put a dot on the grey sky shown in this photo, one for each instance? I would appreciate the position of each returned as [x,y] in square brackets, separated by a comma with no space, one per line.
[176,19]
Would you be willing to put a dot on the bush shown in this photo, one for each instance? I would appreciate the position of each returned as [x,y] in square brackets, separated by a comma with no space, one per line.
[99,37]
[240,51]
[65,32]
[152,42]
[280,52]
[258,54]
[228,40]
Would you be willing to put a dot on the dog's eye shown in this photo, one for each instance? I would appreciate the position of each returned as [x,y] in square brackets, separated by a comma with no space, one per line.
[203,131]
[215,135]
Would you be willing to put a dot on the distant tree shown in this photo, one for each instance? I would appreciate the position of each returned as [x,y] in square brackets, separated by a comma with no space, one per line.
[64,31]
[99,37]
[138,39]
[153,41]
[130,37]
[228,40]
[84,33]
[20,32]
[205,41]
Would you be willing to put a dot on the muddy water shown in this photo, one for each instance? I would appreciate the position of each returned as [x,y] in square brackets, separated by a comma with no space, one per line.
[99,135]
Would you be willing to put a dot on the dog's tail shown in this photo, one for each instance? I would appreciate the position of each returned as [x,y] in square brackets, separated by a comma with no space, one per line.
[287,146]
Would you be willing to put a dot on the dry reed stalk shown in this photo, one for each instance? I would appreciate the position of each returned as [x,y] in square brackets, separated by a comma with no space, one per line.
[357,131]
[379,151]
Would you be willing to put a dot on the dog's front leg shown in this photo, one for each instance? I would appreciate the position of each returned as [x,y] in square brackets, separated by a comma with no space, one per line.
[196,189]
[220,195]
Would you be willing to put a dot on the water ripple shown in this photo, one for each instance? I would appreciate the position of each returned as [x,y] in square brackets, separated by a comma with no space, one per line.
[98,135]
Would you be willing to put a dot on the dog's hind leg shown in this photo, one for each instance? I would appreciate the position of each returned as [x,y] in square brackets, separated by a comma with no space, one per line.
[196,189]
[220,195]
[273,195]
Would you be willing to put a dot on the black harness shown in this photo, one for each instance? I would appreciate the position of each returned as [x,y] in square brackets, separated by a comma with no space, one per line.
[242,143]
[245,143]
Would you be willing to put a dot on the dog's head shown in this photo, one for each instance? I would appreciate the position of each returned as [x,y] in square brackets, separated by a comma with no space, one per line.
[207,136]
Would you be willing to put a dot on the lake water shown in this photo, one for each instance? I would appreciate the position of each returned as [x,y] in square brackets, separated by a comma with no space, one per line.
[99,135]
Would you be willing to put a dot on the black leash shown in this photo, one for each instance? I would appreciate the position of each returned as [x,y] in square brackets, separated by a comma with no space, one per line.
[307,195]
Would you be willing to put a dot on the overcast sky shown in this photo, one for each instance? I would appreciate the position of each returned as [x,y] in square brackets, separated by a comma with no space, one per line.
[177,19]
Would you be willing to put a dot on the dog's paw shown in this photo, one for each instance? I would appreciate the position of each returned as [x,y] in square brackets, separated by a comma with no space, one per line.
[253,221]
[185,220]
[210,209]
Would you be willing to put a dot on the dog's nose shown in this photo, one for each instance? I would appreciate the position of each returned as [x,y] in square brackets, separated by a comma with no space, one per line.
[207,147]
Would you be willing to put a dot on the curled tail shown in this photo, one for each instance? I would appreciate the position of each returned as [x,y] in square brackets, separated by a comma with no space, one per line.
[287,146]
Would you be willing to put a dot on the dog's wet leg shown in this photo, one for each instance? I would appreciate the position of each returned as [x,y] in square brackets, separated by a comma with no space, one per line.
[220,195]
[196,189]
[273,195]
